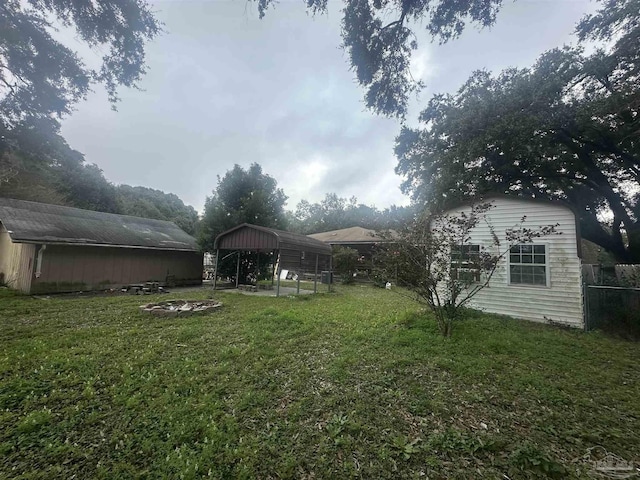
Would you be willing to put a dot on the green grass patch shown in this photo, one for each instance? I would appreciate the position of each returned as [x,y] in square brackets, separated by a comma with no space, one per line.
[354,383]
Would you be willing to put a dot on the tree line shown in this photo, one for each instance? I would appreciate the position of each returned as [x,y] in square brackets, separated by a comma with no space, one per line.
[253,196]
[72,182]
[240,196]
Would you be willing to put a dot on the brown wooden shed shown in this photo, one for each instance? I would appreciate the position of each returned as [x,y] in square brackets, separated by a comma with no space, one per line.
[293,251]
[50,248]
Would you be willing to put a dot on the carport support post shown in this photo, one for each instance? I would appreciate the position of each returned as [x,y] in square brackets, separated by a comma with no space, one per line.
[315,277]
[273,267]
[330,279]
[278,269]
[215,270]
[238,270]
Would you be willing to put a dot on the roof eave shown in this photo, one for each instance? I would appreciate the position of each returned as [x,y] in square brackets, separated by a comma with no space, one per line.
[111,245]
[354,242]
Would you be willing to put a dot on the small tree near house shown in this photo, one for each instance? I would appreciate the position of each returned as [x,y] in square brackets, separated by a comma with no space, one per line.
[346,262]
[434,260]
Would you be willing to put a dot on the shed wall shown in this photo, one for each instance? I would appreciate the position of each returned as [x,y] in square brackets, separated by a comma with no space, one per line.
[73,268]
[16,262]
[560,301]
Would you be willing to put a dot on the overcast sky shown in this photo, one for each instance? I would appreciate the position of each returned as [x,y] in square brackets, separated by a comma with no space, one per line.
[225,87]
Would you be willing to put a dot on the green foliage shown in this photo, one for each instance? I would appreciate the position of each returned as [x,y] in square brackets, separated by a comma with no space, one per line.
[329,387]
[242,196]
[345,262]
[335,213]
[404,447]
[40,82]
[71,182]
[254,266]
[40,77]
[149,203]
[564,129]
[336,427]
[40,166]
[379,38]
[529,458]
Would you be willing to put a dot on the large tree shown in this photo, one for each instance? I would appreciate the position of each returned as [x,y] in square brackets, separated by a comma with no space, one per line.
[568,128]
[379,36]
[41,79]
[40,76]
[242,196]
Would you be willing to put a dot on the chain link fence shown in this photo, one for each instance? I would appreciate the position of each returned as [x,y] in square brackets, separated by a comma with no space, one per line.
[613,309]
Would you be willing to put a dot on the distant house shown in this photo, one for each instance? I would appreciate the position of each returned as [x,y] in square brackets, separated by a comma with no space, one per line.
[539,281]
[49,248]
[363,240]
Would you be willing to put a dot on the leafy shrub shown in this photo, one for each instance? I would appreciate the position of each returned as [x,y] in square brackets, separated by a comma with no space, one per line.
[346,263]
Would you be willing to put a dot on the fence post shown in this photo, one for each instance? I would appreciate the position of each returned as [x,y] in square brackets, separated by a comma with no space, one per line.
[585,305]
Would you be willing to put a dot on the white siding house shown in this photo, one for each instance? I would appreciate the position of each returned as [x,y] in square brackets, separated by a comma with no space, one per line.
[539,281]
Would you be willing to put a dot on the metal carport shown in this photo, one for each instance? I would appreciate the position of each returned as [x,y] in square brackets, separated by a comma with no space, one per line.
[293,251]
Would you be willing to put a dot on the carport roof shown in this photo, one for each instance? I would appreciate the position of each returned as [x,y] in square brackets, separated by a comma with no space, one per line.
[31,222]
[255,241]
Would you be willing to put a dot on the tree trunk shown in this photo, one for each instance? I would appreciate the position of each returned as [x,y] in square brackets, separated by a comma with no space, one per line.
[633,251]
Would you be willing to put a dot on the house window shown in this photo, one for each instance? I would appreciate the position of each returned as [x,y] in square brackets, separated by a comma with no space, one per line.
[528,264]
[465,263]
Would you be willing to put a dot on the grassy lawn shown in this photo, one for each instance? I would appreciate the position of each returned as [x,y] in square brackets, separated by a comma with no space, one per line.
[355,383]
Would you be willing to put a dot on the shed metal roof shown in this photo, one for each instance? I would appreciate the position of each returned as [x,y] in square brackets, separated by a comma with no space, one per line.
[255,237]
[31,222]
[351,235]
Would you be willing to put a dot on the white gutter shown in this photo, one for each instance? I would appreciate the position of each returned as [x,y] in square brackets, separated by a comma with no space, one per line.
[39,261]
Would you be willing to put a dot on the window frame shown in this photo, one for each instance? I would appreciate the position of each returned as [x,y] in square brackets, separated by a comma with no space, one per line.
[461,261]
[546,266]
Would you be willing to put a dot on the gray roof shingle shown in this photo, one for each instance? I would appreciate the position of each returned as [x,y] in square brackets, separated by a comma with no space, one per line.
[31,222]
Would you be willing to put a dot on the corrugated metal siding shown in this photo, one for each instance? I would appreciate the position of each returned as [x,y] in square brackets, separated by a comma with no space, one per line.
[16,262]
[561,301]
[73,268]
[247,238]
